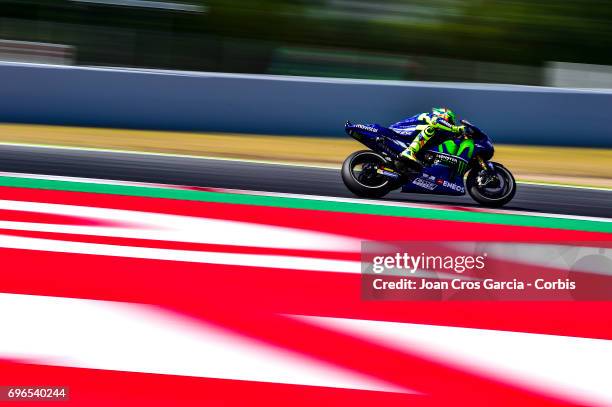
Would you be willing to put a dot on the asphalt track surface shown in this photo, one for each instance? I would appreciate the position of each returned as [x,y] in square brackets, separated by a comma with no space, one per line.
[268,177]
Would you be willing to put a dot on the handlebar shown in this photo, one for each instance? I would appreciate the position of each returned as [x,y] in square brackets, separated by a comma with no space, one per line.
[472,130]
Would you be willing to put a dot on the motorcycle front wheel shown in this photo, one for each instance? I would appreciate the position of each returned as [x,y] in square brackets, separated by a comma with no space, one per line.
[360,176]
[497,192]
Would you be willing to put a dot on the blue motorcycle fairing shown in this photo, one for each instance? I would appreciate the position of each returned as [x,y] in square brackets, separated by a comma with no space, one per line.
[437,178]
[483,147]
[406,127]
[375,136]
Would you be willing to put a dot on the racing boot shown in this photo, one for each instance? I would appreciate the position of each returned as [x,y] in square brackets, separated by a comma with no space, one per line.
[410,154]
[408,161]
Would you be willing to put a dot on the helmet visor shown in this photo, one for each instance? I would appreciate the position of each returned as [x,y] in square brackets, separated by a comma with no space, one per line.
[445,114]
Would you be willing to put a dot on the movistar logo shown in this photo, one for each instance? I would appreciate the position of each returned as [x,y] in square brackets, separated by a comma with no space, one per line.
[368,128]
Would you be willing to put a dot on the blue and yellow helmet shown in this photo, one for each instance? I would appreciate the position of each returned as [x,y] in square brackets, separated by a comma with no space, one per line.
[446,114]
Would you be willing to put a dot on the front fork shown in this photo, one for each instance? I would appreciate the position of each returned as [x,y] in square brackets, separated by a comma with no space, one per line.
[487,176]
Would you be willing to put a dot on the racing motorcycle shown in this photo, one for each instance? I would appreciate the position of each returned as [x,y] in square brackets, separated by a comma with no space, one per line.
[375,172]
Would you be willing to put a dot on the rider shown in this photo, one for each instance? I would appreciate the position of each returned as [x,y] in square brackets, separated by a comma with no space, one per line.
[440,123]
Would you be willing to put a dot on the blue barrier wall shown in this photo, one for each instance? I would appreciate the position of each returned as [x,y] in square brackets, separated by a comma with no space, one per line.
[144,99]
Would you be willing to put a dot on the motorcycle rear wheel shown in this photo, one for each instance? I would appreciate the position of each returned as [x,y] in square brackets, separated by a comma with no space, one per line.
[360,177]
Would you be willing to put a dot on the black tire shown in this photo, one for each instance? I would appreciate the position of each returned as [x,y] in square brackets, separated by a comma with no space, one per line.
[372,186]
[492,199]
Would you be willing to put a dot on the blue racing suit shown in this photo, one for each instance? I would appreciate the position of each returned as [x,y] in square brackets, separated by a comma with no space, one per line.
[423,127]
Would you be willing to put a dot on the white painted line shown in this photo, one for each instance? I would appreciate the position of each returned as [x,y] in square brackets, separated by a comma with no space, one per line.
[162,5]
[254,161]
[231,259]
[554,184]
[177,228]
[199,157]
[88,180]
[313,197]
[414,205]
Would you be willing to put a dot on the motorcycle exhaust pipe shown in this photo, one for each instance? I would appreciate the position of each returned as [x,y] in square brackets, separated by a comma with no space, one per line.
[388,172]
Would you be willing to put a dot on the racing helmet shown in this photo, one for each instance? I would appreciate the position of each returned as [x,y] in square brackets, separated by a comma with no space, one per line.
[446,114]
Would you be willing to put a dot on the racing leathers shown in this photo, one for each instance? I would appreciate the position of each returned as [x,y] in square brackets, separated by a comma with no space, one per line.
[422,128]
